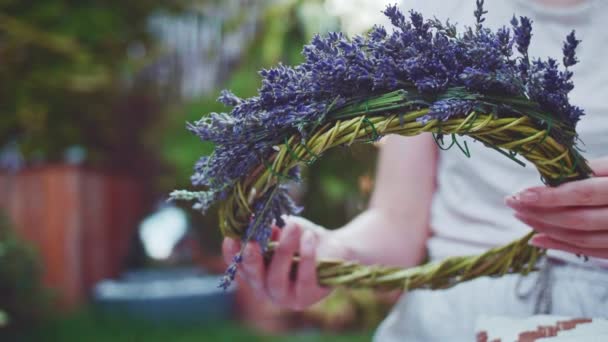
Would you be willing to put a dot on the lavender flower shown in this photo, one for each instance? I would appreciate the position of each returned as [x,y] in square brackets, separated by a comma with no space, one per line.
[396,17]
[498,82]
[504,42]
[550,87]
[230,273]
[479,12]
[447,108]
[267,210]
[522,31]
[569,49]
[229,99]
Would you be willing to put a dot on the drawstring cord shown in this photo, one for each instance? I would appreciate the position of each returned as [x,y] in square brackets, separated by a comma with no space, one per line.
[542,288]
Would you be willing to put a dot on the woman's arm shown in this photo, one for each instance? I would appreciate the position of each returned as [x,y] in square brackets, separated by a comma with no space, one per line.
[395,227]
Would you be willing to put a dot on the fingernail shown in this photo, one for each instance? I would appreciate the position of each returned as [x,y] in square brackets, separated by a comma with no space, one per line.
[536,242]
[527,196]
[510,200]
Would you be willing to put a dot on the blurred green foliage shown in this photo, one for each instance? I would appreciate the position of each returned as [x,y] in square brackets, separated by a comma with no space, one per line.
[62,75]
[280,39]
[22,299]
[333,195]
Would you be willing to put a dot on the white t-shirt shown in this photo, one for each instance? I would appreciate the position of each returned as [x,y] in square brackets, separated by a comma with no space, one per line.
[468,213]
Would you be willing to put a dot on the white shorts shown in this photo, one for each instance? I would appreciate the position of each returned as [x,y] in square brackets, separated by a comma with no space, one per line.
[450,315]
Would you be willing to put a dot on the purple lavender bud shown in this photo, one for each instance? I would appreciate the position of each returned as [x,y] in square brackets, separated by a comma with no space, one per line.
[575,113]
[228,98]
[523,33]
[479,12]
[279,221]
[444,109]
[569,49]
[377,33]
[498,82]
[417,20]
[238,258]
[395,15]
[504,41]
[295,173]
[230,273]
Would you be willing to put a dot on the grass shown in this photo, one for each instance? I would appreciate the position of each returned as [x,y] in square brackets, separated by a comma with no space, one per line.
[91,327]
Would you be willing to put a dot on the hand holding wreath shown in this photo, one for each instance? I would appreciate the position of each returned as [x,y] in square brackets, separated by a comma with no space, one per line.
[274,281]
[572,217]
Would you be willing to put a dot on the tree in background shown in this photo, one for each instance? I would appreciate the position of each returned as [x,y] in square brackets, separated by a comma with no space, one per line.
[66,78]
[22,299]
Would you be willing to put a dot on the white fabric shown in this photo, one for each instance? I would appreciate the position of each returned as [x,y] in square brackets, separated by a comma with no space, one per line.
[468,214]
[450,315]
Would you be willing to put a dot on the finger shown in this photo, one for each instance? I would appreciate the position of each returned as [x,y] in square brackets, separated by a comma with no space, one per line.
[276,233]
[305,224]
[587,192]
[586,219]
[253,267]
[230,247]
[277,282]
[572,237]
[599,166]
[307,289]
[545,241]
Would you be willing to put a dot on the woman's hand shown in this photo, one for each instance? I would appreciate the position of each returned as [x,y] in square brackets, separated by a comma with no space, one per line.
[299,236]
[572,217]
[393,231]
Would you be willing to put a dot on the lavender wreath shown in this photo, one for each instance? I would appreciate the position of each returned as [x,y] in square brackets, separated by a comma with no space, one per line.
[422,77]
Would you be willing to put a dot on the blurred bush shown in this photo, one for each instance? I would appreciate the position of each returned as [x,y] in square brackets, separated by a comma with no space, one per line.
[22,298]
[283,29]
[66,77]
[333,194]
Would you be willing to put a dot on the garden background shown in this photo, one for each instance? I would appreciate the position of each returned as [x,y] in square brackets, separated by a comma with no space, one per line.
[94,97]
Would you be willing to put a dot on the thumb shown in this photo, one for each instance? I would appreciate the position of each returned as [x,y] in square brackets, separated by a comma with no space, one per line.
[329,247]
[334,249]
[304,224]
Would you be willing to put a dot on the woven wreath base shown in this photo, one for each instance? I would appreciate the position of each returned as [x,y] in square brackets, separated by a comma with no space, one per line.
[516,257]
[511,136]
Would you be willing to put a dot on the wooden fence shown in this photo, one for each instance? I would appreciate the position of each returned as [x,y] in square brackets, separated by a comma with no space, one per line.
[81,221]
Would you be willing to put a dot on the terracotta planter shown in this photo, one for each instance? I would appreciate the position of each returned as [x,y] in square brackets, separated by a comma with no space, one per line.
[80,220]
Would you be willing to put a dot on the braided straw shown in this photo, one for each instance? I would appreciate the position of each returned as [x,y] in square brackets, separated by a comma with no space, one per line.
[514,135]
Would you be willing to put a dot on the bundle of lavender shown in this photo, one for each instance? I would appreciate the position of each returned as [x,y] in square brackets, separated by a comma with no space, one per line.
[423,76]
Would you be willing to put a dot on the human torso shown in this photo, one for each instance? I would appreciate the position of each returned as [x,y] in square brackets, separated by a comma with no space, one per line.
[468,214]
